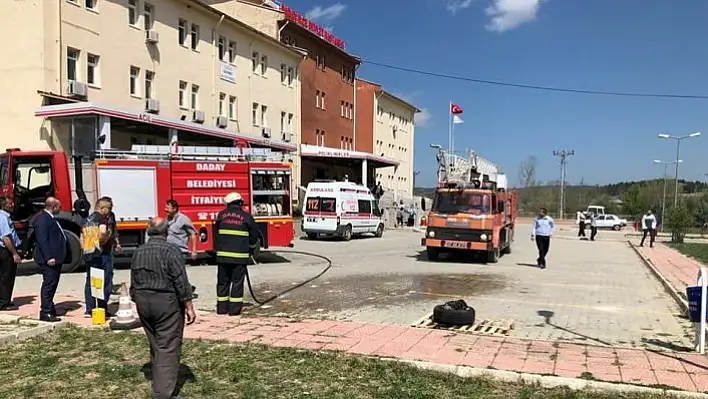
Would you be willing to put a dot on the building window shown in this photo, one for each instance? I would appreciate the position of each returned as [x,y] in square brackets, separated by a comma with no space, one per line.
[320,137]
[149,80]
[72,63]
[254,62]
[286,39]
[195,97]
[195,36]
[92,69]
[283,120]
[182,32]
[232,52]
[317,99]
[90,4]
[322,100]
[182,94]
[132,12]
[291,76]
[290,123]
[148,13]
[134,76]
[264,65]
[232,108]
[283,74]
[222,104]
[264,113]
[254,114]
[222,48]
[320,61]
[351,111]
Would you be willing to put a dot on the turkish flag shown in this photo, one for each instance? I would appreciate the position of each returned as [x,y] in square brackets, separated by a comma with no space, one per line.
[455,109]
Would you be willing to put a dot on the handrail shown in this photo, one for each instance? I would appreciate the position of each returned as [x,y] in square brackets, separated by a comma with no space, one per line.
[701,328]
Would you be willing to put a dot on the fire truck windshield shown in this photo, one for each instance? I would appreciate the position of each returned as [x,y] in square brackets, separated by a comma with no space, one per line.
[458,201]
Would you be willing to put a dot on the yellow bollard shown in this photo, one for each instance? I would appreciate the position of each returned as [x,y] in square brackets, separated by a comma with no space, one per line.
[98,316]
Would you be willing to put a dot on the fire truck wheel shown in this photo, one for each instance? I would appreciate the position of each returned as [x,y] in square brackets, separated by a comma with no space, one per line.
[507,249]
[380,230]
[432,252]
[75,258]
[493,256]
[347,235]
[312,236]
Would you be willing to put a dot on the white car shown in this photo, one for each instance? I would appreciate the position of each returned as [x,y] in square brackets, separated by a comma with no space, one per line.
[610,222]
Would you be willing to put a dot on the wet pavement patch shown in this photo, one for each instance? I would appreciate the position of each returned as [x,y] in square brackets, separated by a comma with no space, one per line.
[353,292]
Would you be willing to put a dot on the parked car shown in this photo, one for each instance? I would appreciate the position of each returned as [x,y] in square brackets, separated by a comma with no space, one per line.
[610,222]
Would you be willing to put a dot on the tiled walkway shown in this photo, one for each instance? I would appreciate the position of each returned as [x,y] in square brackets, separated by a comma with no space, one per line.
[685,371]
[679,270]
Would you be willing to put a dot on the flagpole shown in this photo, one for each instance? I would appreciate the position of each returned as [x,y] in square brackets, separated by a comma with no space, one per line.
[449,130]
[452,151]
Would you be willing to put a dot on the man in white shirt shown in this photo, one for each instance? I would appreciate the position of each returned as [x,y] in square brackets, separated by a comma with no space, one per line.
[649,227]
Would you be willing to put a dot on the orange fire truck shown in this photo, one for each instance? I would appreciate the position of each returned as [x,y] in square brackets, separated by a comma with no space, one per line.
[140,181]
[472,210]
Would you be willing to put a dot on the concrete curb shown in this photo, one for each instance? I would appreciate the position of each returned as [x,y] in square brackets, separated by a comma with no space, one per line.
[543,380]
[39,328]
[683,304]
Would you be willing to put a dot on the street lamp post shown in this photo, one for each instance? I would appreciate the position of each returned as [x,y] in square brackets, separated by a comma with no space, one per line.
[678,149]
[663,201]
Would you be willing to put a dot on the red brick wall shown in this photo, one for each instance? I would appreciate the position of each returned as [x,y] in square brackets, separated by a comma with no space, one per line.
[365,114]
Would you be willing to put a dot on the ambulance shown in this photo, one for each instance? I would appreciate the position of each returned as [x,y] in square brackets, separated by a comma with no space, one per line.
[340,209]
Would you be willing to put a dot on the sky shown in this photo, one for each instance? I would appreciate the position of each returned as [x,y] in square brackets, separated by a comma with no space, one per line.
[640,46]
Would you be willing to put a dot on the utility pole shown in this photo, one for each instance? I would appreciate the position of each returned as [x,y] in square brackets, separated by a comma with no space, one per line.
[678,149]
[563,155]
[666,176]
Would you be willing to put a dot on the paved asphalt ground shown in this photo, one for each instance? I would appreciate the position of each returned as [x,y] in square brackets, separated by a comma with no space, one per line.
[593,292]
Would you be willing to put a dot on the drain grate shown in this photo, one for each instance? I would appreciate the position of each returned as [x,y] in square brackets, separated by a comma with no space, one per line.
[484,326]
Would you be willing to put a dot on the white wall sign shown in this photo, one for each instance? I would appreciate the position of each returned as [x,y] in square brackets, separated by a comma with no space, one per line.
[228,72]
[211,183]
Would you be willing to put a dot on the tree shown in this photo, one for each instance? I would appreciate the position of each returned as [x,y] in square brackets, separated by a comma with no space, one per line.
[678,220]
[527,172]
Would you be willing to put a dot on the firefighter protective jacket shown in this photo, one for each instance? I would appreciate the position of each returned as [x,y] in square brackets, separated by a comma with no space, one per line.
[234,232]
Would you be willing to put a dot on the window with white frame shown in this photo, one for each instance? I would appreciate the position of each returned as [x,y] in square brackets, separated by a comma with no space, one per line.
[194,100]
[290,123]
[232,51]
[317,99]
[149,84]
[222,48]
[322,100]
[283,121]
[255,57]
[341,111]
[182,32]
[264,65]
[264,115]
[182,94]
[291,76]
[148,16]
[194,38]
[351,111]
[134,78]
[222,104]
[254,114]
[133,12]
[72,63]
[283,74]
[233,111]
[90,4]
[92,76]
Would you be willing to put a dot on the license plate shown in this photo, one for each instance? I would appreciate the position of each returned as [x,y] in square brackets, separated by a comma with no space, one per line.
[455,244]
[311,219]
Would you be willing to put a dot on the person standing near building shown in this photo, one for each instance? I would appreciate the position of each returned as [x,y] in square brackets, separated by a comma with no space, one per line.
[49,255]
[235,234]
[649,227]
[160,288]
[181,232]
[542,230]
[9,257]
[113,224]
[97,246]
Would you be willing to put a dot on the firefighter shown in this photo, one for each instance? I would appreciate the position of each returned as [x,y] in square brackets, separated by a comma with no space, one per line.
[235,235]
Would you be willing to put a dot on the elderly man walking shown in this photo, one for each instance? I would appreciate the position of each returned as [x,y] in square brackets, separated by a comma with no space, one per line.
[160,288]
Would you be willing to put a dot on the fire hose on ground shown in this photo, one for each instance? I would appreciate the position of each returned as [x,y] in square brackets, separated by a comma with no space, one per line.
[294,287]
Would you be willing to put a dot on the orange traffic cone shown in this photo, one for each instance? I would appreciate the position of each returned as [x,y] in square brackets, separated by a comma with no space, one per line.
[125,317]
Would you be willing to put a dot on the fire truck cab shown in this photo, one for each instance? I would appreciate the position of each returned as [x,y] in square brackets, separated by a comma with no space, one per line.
[140,181]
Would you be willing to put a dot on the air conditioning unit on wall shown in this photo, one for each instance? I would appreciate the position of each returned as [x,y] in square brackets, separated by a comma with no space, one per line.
[152,105]
[287,136]
[198,116]
[266,132]
[152,36]
[221,121]
[76,89]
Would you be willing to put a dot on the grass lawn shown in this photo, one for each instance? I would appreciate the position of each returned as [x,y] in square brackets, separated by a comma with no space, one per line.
[82,363]
[698,251]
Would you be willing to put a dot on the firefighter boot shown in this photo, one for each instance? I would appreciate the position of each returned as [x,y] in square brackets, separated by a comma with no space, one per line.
[236,298]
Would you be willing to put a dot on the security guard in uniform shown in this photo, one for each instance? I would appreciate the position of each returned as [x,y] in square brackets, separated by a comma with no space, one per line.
[235,234]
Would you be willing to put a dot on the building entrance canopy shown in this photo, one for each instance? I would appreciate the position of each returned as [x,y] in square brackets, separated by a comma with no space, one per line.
[308,150]
[88,108]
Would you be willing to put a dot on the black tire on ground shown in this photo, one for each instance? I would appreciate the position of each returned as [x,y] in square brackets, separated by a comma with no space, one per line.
[312,236]
[493,256]
[380,230]
[74,253]
[432,252]
[453,317]
[347,235]
[507,249]
[616,227]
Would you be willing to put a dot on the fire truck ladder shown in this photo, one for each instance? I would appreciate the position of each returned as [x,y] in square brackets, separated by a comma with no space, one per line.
[165,152]
[456,169]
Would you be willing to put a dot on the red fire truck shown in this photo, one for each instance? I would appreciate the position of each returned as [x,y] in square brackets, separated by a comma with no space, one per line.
[141,180]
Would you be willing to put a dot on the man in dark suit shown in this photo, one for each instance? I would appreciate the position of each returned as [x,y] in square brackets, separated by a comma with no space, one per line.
[49,254]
